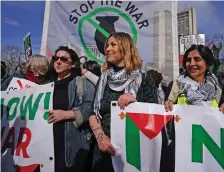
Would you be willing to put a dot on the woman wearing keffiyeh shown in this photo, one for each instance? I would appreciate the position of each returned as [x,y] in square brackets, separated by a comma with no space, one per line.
[198,85]
[120,81]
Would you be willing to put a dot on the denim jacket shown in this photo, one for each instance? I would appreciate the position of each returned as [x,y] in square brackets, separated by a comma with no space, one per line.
[76,132]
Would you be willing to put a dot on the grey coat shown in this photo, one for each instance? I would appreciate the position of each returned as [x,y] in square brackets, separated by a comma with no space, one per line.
[6,82]
[77,132]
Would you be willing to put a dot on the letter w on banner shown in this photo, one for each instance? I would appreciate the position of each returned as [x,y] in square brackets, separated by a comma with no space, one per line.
[148,139]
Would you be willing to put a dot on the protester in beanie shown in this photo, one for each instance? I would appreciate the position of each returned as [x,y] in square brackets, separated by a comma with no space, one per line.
[34,70]
[197,85]
[70,115]
[121,80]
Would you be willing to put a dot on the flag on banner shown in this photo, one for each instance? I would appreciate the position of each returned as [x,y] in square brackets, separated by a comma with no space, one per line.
[85,25]
[139,132]
[146,139]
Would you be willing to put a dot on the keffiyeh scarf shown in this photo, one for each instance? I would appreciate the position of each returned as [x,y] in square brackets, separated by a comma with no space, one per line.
[197,93]
[117,81]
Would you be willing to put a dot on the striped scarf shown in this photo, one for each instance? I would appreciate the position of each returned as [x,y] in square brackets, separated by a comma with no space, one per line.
[117,81]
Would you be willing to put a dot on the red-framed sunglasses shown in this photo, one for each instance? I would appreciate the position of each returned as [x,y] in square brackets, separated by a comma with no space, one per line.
[56,58]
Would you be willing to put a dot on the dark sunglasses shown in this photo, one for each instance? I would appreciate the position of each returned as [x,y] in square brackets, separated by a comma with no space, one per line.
[63,59]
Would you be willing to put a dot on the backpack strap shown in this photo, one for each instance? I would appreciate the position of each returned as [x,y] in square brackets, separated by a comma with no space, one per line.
[79,84]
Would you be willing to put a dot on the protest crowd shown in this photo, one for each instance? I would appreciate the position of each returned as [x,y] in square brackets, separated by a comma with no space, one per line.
[83,91]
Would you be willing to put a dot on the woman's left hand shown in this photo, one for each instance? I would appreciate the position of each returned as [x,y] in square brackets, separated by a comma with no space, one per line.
[125,99]
[56,115]
[221,108]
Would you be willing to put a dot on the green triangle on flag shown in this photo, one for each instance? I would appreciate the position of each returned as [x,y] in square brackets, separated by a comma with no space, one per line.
[149,124]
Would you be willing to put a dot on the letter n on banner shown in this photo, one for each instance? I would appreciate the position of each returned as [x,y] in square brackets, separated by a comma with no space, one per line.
[200,137]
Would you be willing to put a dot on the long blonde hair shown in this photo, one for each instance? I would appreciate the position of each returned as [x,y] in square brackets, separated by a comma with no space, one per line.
[128,51]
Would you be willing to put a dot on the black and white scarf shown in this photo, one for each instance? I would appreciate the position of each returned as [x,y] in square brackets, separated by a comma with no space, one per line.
[117,81]
[196,93]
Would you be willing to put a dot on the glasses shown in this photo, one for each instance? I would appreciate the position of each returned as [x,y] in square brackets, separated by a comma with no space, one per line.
[56,58]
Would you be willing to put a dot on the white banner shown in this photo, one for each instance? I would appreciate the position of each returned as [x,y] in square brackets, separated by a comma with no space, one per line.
[136,135]
[187,41]
[27,138]
[199,139]
[85,25]
[19,83]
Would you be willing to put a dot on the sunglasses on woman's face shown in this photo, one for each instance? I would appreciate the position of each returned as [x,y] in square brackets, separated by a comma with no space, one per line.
[63,59]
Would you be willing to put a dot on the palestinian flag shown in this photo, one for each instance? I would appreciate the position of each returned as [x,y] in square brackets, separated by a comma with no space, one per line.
[140,133]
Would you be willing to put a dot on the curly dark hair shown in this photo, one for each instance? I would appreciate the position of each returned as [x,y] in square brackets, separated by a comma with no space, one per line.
[71,52]
[75,60]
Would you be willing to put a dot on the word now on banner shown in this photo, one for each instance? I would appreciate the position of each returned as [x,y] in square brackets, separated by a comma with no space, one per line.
[148,139]
[27,138]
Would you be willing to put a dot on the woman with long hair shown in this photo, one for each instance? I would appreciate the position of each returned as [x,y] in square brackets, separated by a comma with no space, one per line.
[120,81]
[70,113]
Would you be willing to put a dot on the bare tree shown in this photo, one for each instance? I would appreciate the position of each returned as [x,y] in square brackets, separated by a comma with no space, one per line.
[12,56]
